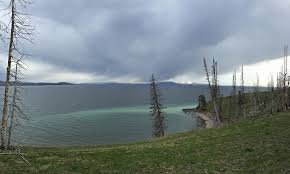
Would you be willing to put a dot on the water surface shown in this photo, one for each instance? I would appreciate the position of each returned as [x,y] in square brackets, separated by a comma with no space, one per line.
[100,114]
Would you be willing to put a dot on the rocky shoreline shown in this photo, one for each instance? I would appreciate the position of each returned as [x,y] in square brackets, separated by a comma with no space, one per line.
[206,118]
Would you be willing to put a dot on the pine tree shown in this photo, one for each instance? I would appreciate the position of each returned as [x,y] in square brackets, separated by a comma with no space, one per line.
[202,105]
[158,117]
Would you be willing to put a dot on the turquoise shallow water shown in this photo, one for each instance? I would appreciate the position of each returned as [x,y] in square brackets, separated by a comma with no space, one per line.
[100,126]
[102,114]
[170,109]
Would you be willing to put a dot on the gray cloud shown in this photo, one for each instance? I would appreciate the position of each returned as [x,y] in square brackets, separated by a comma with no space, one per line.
[136,38]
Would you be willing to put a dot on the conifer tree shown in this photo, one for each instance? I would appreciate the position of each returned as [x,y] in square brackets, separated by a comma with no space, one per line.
[158,117]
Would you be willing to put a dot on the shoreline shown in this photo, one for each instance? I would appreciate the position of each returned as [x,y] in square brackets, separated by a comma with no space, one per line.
[205,117]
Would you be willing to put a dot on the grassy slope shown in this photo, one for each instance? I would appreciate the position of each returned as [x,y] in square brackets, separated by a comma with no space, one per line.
[260,145]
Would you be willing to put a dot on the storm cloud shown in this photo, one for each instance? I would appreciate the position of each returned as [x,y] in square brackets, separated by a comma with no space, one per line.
[135,38]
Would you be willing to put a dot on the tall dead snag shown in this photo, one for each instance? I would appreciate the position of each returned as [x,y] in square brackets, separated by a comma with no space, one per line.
[216,118]
[256,94]
[158,119]
[280,93]
[216,90]
[241,96]
[2,30]
[282,85]
[215,87]
[242,81]
[19,30]
[233,99]
[8,71]
[2,133]
[271,91]
[15,107]
[285,76]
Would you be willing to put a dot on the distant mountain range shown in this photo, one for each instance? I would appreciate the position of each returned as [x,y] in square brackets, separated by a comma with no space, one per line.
[162,84]
[2,83]
[142,84]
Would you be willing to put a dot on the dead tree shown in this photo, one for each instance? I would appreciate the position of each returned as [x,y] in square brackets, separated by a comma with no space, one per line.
[19,30]
[2,133]
[215,80]
[285,76]
[277,96]
[216,117]
[158,118]
[280,93]
[241,96]
[256,94]
[242,81]
[233,98]
[271,91]
[2,30]
[16,112]
[220,102]
[282,100]
[216,90]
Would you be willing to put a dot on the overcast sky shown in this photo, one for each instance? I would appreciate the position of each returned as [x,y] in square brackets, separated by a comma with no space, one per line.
[128,40]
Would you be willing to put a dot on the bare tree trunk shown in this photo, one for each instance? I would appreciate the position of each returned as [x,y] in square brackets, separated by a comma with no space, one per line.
[234,95]
[271,91]
[242,96]
[242,82]
[7,82]
[13,105]
[285,88]
[216,120]
[20,30]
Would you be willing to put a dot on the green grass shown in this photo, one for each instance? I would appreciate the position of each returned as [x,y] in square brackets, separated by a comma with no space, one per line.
[258,145]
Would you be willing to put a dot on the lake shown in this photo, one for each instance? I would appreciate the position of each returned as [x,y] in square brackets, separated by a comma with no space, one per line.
[100,114]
